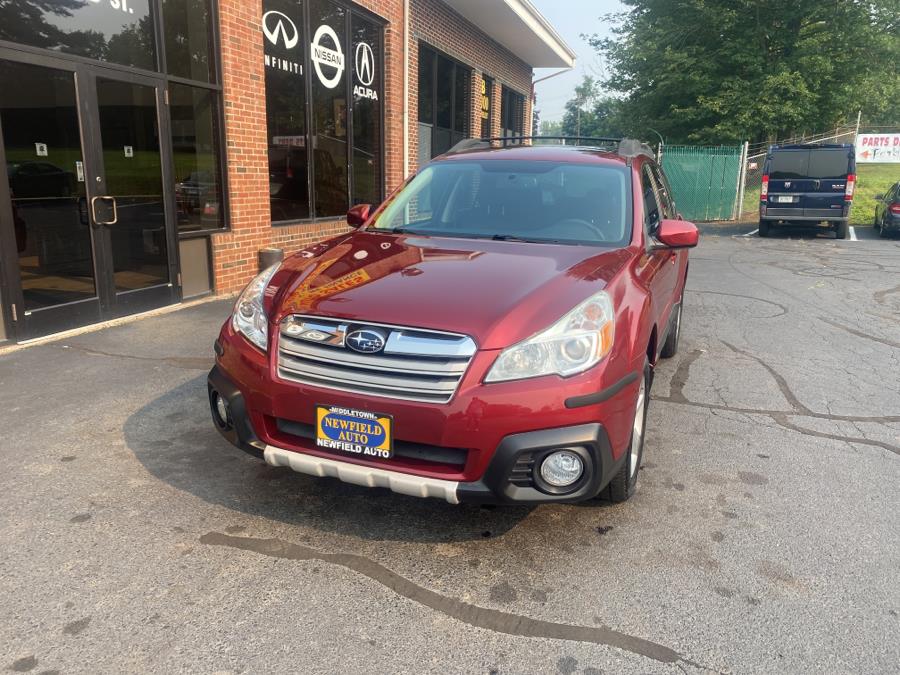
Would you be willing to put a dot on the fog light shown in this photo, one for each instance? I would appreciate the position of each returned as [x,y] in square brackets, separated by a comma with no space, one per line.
[562,468]
[221,409]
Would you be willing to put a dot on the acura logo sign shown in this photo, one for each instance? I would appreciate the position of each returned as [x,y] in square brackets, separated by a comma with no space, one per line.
[278,26]
[327,57]
[365,64]
[366,341]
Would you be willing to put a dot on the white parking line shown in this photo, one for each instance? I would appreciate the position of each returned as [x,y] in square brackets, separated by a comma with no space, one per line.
[853,234]
[749,234]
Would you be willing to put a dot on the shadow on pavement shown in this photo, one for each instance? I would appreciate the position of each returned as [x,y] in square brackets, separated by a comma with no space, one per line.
[174,439]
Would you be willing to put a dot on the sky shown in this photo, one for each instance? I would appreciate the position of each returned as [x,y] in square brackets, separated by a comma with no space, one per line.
[571,18]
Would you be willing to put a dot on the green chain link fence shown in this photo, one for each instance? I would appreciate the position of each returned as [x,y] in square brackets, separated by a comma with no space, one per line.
[704,179]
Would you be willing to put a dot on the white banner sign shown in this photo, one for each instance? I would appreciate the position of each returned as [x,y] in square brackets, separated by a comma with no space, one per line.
[880,148]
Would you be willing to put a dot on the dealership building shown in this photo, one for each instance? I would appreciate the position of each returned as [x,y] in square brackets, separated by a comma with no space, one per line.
[155,147]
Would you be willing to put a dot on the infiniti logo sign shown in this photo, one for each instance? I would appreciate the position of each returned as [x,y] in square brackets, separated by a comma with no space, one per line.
[366,341]
[276,25]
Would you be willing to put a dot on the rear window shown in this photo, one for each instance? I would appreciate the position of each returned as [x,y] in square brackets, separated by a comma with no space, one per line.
[829,163]
[789,164]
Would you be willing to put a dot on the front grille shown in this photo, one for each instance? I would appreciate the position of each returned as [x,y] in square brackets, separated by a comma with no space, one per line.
[414,364]
[432,454]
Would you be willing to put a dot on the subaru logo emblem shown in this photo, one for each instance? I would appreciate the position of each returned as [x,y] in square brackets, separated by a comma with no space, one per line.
[366,341]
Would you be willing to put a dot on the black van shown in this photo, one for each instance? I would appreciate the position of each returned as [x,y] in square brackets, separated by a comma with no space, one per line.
[808,185]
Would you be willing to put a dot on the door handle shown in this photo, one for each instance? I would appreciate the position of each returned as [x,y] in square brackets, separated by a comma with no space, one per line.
[115,213]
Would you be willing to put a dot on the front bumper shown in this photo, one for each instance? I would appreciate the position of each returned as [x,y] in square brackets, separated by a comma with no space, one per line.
[512,474]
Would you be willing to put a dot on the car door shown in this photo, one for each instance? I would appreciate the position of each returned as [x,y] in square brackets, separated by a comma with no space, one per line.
[661,271]
[827,178]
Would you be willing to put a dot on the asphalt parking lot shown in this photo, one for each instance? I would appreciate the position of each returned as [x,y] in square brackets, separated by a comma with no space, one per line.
[764,537]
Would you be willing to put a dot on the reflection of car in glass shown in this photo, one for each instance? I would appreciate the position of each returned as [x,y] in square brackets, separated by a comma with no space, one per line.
[488,335]
[30,180]
[887,211]
[288,185]
[808,185]
[193,193]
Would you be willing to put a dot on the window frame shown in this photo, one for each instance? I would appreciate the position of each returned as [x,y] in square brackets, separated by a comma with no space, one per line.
[350,10]
[647,173]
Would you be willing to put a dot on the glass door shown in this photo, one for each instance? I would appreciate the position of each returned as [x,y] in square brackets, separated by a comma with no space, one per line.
[85,230]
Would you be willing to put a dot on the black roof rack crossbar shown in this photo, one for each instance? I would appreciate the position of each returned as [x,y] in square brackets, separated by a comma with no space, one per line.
[624,147]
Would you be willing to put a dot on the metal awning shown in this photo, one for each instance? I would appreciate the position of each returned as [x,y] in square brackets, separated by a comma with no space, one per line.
[519,27]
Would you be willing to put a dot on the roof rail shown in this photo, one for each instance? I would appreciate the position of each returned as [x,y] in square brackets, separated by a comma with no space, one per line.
[624,147]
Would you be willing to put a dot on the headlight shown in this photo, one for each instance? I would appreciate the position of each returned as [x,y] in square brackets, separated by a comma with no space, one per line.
[249,317]
[573,344]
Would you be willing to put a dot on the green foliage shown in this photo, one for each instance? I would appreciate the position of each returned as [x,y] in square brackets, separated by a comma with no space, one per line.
[590,113]
[719,71]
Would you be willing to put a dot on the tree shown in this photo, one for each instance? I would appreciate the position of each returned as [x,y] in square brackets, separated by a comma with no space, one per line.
[714,71]
[590,113]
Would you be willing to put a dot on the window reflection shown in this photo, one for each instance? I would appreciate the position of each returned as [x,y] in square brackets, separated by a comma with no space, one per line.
[367,74]
[188,38]
[195,137]
[120,32]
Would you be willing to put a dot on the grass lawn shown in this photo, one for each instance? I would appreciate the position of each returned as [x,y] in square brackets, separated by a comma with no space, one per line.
[871,180]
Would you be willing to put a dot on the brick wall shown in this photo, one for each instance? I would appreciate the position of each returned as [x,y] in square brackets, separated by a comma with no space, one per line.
[243,79]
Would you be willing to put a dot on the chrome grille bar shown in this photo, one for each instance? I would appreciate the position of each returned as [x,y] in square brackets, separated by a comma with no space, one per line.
[415,364]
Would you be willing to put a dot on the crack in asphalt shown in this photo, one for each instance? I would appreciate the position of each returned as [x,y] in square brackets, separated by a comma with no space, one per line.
[784,310]
[183,362]
[861,334]
[473,615]
[879,296]
[780,417]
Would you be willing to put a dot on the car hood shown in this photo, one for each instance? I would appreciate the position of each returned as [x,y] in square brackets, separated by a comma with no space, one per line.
[497,292]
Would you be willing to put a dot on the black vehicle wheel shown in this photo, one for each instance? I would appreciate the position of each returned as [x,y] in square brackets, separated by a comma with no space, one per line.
[670,346]
[623,484]
[764,228]
[842,229]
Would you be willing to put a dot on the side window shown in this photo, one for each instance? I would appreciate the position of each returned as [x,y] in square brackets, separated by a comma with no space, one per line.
[665,193]
[651,203]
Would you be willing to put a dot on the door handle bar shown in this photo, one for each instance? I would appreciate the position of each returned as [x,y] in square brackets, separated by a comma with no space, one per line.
[115,212]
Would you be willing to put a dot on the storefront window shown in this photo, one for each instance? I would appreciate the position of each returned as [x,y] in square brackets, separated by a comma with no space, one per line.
[286,110]
[444,87]
[487,93]
[118,31]
[188,39]
[195,145]
[336,142]
[512,113]
[329,107]
[367,112]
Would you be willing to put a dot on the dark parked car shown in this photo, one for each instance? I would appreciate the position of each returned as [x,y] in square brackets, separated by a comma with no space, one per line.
[887,211]
[488,334]
[808,185]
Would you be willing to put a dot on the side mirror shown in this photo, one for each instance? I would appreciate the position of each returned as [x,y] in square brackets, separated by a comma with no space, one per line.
[878,198]
[677,234]
[358,215]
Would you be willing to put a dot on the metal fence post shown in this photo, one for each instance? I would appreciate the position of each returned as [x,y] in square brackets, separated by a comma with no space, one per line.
[742,181]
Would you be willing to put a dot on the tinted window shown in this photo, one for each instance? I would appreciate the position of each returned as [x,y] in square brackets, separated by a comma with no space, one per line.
[536,201]
[188,38]
[115,31]
[789,164]
[651,204]
[195,143]
[444,103]
[829,163]
[367,74]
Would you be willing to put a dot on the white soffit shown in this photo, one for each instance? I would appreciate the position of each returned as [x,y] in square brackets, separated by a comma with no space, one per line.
[519,27]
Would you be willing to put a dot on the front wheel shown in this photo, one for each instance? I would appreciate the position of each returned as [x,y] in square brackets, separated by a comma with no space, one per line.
[623,484]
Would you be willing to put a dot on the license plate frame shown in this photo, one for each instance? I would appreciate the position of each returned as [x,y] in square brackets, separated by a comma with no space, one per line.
[354,432]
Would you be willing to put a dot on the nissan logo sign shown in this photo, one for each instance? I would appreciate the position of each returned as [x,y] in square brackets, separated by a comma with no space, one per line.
[327,57]
[366,341]
[277,26]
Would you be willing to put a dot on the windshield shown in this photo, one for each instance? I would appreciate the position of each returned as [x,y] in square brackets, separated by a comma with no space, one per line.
[498,199]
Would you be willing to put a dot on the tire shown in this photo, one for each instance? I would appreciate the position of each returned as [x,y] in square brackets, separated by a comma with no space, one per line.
[764,228]
[622,486]
[670,346]
[881,231]
[842,229]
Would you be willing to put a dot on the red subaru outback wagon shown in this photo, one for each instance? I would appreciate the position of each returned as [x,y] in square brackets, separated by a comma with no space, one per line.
[488,334]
